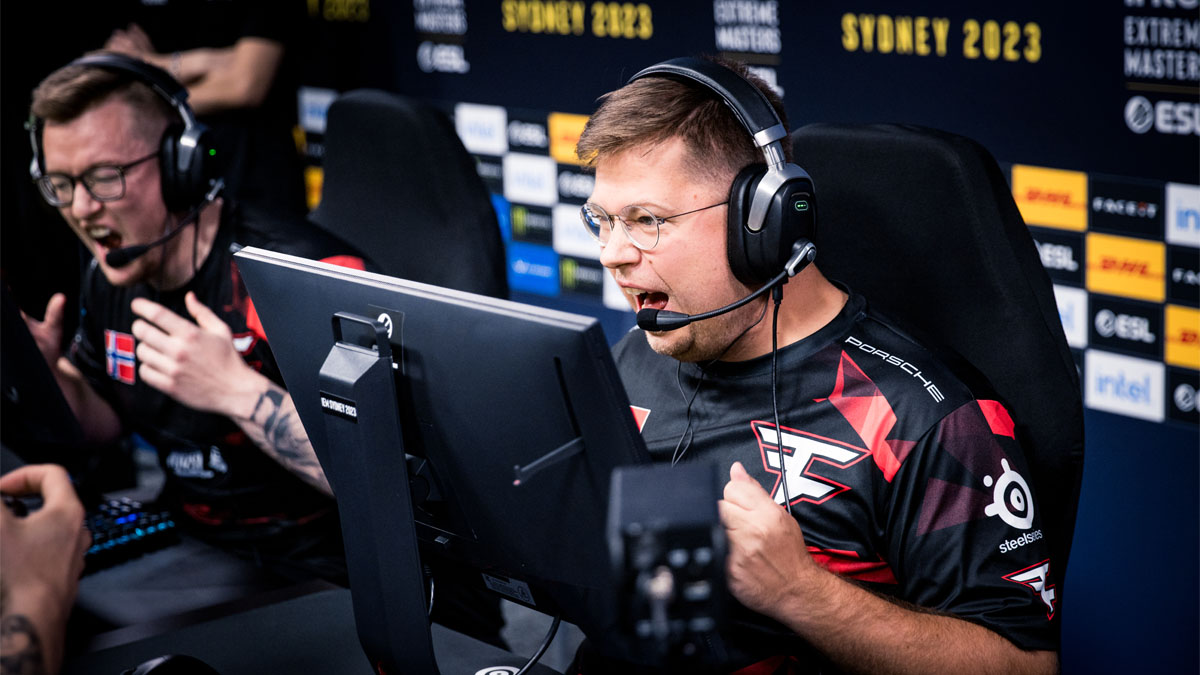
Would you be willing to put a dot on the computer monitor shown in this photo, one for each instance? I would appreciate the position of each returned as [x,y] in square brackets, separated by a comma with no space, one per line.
[512,418]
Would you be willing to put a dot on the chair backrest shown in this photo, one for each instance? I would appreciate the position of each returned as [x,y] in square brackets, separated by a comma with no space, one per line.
[923,223]
[400,187]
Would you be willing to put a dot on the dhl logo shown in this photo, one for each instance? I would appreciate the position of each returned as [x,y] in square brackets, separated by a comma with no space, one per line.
[1051,197]
[1182,346]
[1038,195]
[1138,268]
[1126,266]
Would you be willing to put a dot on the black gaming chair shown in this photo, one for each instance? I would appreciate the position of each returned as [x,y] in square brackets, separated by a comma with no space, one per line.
[924,224]
[400,187]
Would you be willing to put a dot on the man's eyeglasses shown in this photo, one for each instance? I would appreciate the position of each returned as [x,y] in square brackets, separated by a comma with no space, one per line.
[105,183]
[642,227]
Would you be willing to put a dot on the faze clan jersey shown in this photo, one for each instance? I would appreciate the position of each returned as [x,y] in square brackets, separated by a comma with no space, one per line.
[215,473]
[898,477]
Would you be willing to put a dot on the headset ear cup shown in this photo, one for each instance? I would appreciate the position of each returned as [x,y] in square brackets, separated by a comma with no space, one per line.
[183,187]
[756,257]
[168,153]
[741,193]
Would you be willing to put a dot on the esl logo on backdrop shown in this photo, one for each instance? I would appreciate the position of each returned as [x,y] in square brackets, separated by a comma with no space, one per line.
[1061,254]
[1182,386]
[1165,117]
[1127,326]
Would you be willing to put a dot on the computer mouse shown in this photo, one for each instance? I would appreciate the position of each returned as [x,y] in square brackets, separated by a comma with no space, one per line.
[173,664]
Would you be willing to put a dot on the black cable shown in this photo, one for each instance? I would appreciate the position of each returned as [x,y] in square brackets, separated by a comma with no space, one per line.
[777,296]
[542,649]
[676,455]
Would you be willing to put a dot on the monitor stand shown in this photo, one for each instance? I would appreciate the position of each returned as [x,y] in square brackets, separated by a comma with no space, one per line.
[366,458]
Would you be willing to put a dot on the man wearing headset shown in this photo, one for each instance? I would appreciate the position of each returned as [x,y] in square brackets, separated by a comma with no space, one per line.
[881,563]
[168,344]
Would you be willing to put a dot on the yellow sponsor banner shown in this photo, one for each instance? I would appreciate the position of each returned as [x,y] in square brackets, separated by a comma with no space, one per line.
[1130,268]
[314,180]
[1051,197]
[565,129]
[1183,337]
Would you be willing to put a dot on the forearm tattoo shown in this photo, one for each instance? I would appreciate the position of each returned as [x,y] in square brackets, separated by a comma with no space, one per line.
[283,433]
[20,648]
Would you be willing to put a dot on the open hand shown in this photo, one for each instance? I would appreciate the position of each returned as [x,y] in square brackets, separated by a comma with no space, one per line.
[193,363]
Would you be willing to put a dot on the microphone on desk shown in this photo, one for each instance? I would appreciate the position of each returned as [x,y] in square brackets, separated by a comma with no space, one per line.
[803,253]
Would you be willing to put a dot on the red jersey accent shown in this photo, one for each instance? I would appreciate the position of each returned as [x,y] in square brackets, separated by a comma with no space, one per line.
[998,418]
[848,564]
[865,408]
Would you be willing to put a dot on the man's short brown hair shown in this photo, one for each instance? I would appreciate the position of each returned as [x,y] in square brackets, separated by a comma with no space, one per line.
[654,109]
[72,90]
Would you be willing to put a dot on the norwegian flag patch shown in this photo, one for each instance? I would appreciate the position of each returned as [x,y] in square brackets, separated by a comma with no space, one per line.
[119,357]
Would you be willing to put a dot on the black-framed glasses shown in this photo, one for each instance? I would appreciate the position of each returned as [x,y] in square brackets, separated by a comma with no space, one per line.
[105,183]
[642,227]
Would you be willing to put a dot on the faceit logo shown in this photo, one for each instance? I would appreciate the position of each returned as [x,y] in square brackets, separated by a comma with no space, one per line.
[1122,207]
[1037,579]
[793,459]
[1166,117]
[907,367]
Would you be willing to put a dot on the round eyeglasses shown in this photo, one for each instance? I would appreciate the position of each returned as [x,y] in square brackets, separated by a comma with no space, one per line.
[105,183]
[642,227]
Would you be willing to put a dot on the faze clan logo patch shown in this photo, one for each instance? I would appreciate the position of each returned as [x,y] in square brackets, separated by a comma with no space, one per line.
[803,452]
[1037,578]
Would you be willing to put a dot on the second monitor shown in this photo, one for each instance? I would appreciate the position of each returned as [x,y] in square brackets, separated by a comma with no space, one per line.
[510,417]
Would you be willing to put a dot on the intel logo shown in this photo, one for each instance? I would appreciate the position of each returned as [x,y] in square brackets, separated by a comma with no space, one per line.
[1124,385]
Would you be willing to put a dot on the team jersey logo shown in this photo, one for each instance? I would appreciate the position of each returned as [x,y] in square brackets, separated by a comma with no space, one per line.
[1037,578]
[119,357]
[244,342]
[793,457]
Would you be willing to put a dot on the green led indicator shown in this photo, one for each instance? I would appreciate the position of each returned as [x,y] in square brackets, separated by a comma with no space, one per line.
[212,152]
[801,205]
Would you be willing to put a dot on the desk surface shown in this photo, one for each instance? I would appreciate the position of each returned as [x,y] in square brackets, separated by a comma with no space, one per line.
[314,633]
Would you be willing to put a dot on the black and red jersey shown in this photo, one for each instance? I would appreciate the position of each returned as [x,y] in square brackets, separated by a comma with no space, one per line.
[898,476]
[215,473]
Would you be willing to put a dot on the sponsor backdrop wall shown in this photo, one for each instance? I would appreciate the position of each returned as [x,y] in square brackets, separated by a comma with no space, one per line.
[1093,107]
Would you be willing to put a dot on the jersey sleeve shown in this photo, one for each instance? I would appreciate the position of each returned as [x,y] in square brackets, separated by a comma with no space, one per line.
[965,535]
